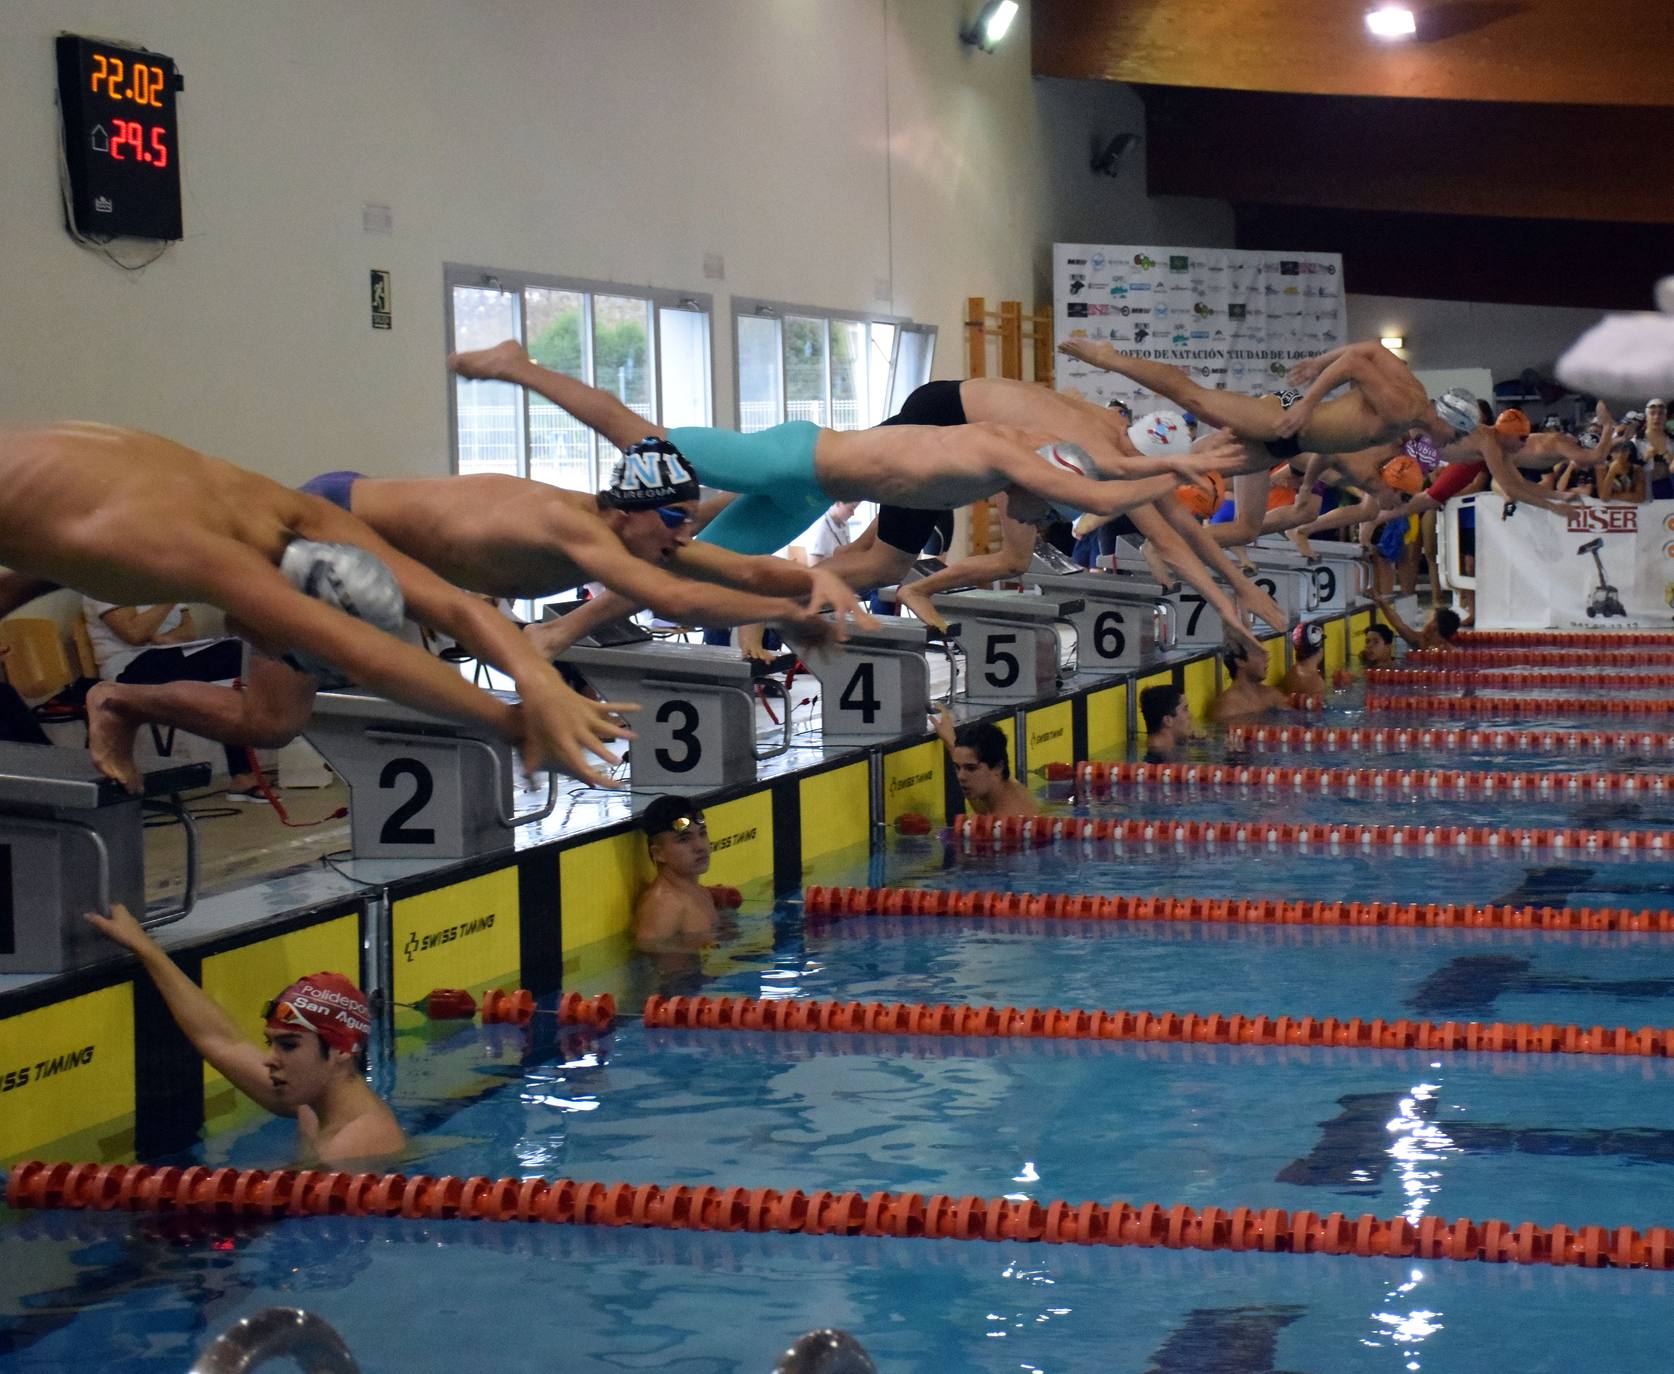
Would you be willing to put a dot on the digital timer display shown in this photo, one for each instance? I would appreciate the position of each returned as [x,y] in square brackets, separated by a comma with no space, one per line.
[121,138]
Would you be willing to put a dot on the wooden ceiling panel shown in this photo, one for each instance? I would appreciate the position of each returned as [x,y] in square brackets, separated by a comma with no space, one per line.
[1562,52]
[1446,157]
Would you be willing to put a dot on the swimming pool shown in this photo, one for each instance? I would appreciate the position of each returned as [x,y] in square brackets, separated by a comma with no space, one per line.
[1579,1139]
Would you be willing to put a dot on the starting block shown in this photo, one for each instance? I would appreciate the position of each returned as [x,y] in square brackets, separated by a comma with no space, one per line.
[1288,578]
[1338,576]
[697,731]
[875,685]
[1197,624]
[420,787]
[1123,624]
[72,841]
[1010,641]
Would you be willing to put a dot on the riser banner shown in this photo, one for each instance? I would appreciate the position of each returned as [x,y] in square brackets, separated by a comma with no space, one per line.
[1235,320]
[1537,570]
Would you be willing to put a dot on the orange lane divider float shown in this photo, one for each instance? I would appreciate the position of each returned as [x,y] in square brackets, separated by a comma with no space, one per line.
[285,1192]
[1171,1027]
[1016,832]
[1514,678]
[1540,658]
[821,902]
[1603,642]
[1401,738]
[517,1008]
[1522,706]
[1099,779]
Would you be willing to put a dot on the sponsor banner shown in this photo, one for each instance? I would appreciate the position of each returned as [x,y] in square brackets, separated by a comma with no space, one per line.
[67,1072]
[914,780]
[836,811]
[464,935]
[1235,320]
[1051,735]
[1107,721]
[598,884]
[1599,567]
[741,840]
[241,981]
[1336,646]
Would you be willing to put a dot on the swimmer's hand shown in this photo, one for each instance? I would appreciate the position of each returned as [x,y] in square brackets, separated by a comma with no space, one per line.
[561,728]
[1082,350]
[828,592]
[1223,452]
[1305,371]
[944,725]
[1292,422]
[121,927]
[921,606]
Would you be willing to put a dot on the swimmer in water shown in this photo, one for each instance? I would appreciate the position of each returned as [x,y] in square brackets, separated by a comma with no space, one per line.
[1306,676]
[1248,694]
[676,913]
[134,519]
[982,767]
[314,1068]
[1168,722]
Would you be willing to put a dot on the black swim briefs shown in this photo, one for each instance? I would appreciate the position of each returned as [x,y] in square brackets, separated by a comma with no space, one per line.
[911,530]
[1286,448]
[934,403]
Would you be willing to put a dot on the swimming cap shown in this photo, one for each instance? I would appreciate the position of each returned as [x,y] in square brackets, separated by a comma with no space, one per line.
[1306,638]
[669,813]
[1071,458]
[650,474]
[327,1004]
[349,578]
[1457,407]
[1280,497]
[1513,424]
[1160,433]
[1403,474]
[1199,502]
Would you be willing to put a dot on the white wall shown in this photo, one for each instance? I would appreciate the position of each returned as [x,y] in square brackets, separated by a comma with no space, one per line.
[1442,335]
[848,154]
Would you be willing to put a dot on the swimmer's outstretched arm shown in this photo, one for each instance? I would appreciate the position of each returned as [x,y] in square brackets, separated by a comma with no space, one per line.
[201,1019]
[558,727]
[1366,508]
[598,410]
[1393,616]
[1205,558]
[1516,486]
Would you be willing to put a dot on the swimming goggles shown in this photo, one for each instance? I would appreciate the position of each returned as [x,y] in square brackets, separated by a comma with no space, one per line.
[277,1013]
[673,519]
[681,824]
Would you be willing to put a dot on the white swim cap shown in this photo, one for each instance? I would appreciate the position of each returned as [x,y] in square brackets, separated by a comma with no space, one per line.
[1160,433]
[349,578]
[1071,458]
[1457,407]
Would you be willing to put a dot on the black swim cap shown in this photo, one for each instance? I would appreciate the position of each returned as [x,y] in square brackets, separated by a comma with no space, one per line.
[650,474]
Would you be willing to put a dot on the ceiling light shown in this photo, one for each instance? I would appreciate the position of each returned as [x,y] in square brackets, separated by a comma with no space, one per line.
[1389,22]
[990,25]
[1393,342]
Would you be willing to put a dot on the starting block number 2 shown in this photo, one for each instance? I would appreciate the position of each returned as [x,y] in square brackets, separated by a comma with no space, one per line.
[395,828]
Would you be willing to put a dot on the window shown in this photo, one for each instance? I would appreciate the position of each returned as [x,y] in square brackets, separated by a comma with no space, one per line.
[839,370]
[648,347]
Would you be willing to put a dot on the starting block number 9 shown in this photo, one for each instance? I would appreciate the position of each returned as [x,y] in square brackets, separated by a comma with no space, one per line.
[1325,583]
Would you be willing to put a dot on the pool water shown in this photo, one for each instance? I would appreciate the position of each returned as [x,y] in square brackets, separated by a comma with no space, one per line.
[1580,1139]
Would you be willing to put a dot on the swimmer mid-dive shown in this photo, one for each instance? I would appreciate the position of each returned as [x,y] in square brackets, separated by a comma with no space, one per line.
[314,1066]
[133,519]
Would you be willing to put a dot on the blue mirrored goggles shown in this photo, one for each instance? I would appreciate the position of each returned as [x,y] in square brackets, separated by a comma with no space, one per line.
[672,518]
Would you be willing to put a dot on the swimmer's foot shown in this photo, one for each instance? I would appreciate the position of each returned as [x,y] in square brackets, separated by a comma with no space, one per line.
[1303,547]
[1161,573]
[110,738]
[489,364]
[909,600]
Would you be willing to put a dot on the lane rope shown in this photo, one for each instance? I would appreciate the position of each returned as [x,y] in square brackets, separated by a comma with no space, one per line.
[1520,706]
[1100,779]
[1402,738]
[1016,832]
[1596,641]
[837,902]
[1540,658]
[230,1192]
[1534,679]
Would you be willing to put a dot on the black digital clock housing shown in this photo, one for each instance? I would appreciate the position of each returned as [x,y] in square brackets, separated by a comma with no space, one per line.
[121,138]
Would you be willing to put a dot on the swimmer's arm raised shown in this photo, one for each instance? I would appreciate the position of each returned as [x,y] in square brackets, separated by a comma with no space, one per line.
[201,1019]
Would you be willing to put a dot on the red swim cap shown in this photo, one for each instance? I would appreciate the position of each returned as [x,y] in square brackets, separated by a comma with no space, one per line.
[327,1004]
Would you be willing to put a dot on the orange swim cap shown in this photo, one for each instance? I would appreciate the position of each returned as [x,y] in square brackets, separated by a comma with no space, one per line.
[1200,503]
[1280,497]
[1513,424]
[1403,474]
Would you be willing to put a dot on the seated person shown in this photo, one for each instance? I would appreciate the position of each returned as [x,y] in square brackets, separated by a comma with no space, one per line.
[1379,651]
[151,645]
[1437,632]
[982,767]
[1248,694]
[17,722]
[676,913]
[1168,722]
[1306,676]
[315,1065]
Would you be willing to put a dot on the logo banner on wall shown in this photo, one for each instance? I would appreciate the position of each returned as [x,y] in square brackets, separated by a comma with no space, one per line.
[1235,320]
[1600,567]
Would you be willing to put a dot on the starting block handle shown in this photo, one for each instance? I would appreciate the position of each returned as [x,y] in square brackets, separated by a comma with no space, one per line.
[510,820]
[165,915]
[1073,656]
